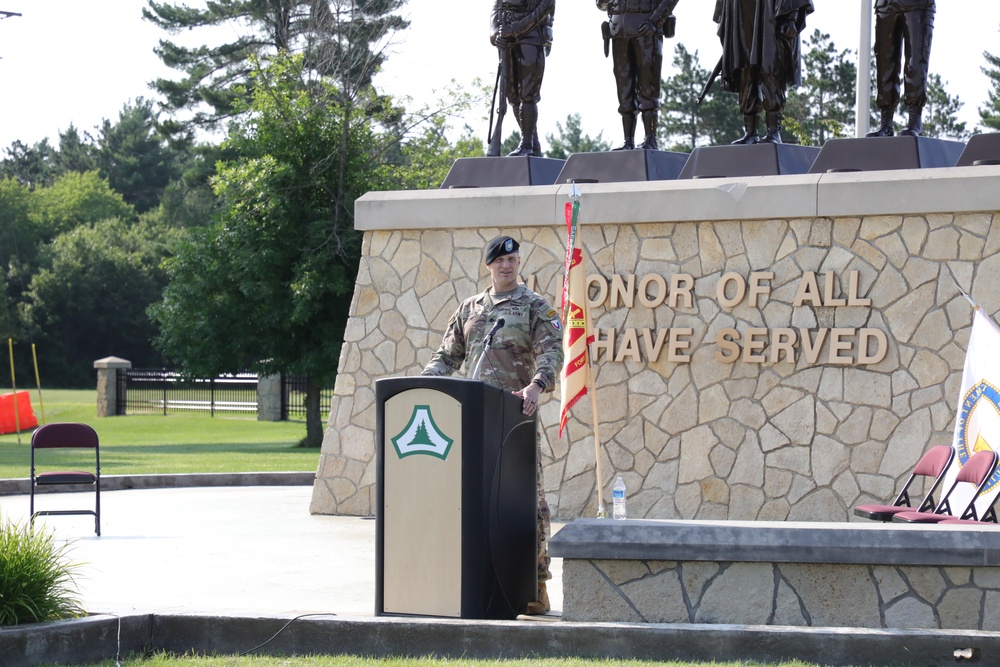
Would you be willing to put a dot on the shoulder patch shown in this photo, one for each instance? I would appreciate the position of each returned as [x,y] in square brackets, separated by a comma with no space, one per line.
[553,317]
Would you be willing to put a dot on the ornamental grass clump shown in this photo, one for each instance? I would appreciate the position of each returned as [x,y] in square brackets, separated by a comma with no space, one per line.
[36,579]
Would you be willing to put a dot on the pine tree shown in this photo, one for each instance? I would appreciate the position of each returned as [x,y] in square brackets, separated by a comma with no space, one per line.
[824,105]
[990,112]
[341,40]
[941,112]
[571,139]
[689,124]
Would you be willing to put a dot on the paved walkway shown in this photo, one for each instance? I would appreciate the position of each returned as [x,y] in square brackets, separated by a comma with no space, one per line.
[231,551]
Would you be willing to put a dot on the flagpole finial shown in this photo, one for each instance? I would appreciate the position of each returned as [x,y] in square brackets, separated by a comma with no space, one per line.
[975,306]
[574,191]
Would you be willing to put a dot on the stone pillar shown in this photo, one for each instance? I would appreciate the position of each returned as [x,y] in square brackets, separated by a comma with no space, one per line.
[107,384]
[269,398]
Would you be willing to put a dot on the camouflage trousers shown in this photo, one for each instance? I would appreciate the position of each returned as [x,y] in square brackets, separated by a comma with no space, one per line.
[542,524]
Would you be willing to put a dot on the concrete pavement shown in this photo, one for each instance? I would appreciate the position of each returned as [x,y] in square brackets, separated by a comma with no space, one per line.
[229,551]
[228,570]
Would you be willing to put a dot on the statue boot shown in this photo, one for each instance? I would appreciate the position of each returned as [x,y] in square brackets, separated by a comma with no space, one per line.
[885,127]
[750,135]
[773,120]
[915,124]
[536,145]
[649,125]
[628,129]
[527,116]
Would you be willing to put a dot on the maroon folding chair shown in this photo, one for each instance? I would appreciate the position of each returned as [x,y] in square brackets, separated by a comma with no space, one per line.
[931,468]
[69,435]
[975,473]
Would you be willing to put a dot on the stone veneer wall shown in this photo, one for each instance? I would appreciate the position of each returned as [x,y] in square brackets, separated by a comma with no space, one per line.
[798,594]
[704,439]
[786,573]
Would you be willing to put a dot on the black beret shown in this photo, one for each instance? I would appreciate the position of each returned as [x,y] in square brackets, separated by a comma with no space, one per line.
[501,245]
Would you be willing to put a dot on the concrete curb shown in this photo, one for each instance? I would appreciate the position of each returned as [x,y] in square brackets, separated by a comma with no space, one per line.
[96,638]
[22,486]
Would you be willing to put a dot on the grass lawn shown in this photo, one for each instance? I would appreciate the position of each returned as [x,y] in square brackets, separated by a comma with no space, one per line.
[175,443]
[354,661]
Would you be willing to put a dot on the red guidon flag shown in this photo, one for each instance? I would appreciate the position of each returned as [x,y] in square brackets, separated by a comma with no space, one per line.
[577,335]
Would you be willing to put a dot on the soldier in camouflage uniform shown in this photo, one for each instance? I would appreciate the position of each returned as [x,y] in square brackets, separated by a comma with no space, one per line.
[525,358]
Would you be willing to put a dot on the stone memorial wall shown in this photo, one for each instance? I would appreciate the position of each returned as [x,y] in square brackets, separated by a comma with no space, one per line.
[770,348]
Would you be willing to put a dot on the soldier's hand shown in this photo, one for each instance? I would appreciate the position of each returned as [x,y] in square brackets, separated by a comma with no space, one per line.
[503,36]
[530,395]
[646,28]
[789,30]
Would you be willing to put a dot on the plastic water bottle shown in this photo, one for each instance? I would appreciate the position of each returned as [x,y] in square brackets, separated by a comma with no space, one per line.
[618,494]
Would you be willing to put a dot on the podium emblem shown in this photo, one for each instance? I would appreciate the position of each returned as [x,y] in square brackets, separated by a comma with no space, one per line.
[422,436]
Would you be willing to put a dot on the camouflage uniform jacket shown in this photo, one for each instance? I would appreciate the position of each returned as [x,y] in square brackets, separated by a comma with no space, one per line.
[528,345]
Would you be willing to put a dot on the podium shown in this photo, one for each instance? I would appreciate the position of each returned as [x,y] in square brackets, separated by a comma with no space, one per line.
[456,500]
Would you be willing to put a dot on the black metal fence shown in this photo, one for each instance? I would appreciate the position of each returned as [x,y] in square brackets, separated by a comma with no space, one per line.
[293,397]
[147,391]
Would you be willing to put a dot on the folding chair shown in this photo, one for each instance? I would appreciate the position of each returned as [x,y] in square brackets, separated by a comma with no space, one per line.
[66,436]
[931,466]
[975,474]
[983,510]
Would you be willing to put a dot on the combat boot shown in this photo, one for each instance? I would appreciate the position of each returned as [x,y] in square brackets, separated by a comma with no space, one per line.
[541,605]
[649,125]
[750,135]
[628,129]
[915,125]
[528,120]
[773,120]
[885,127]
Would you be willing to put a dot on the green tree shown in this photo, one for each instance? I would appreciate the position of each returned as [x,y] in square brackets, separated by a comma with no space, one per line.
[688,124]
[17,234]
[88,299]
[266,286]
[76,152]
[34,166]
[337,38]
[134,158]
[823,105]
[989,113]
[571,139]
[424,161]
[18,246]
[941,112]
[76,199]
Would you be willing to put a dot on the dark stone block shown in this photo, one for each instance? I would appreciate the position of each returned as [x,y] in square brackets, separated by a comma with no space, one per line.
[886,153]
[623,166]
[981,149]
[753,160]
[496,172]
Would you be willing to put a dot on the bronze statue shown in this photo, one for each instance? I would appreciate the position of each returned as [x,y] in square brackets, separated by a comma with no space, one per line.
[903,28]
[635,30]
[522,31]
[761,58]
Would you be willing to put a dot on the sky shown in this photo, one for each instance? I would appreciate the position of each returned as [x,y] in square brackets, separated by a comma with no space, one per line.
[78,62]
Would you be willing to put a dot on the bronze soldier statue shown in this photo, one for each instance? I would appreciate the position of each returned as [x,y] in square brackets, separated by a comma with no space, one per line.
[522,30]
[761,58]
[899,23]
[635,30]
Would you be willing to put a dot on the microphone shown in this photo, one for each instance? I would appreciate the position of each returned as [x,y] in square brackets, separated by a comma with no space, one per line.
[496,327]
[487,343]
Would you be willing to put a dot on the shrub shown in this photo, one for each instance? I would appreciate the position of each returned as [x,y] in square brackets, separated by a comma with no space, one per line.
[36,580]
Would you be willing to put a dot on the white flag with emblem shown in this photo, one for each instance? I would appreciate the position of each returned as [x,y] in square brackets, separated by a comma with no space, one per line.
[977,424]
